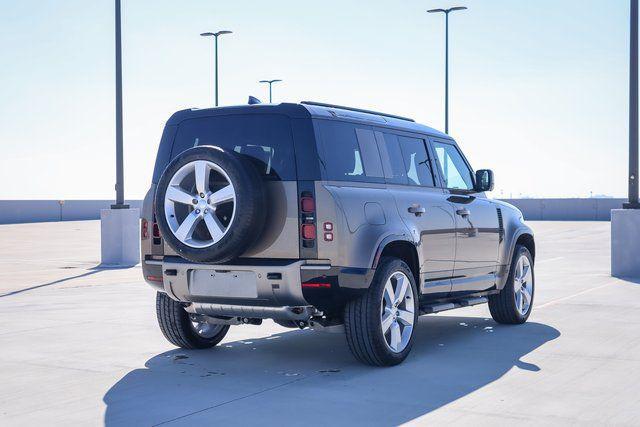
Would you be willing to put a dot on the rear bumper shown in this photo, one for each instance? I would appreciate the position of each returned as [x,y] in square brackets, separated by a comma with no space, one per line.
[256,285]
[283,289]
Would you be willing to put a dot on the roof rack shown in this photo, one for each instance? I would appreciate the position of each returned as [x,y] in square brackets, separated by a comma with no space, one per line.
[359,110]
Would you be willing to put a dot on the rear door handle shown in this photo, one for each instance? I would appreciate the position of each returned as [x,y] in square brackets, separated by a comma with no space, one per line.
[463,212]
[417,210]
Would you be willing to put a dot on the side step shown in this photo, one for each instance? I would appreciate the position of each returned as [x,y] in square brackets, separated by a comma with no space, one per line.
[444,306]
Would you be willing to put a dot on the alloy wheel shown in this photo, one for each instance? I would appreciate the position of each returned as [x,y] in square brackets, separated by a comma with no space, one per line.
[523,285]
[199,204]
[397,314]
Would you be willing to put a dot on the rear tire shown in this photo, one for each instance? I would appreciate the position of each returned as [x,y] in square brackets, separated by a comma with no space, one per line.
[511,306]
[367,317]
[179,330]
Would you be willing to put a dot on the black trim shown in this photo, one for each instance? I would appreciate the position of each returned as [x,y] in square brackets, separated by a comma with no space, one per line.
[359,110]
[346,284]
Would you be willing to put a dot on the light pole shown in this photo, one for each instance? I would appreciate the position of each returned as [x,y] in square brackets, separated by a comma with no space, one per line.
[119,151]
[633,109]
[271,82]
[446,61]
[216,35]
[120,225]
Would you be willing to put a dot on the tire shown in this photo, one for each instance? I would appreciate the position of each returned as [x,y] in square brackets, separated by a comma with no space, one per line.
[504,305]
[363,317]
[178,328]
[240,220]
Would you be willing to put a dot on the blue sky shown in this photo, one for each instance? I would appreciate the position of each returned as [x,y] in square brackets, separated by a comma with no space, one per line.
[538,89]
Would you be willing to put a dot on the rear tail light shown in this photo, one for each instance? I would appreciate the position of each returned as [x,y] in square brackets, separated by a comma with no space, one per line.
[308,231]
[144,229]
[156,232]
[307,205]
[307,219]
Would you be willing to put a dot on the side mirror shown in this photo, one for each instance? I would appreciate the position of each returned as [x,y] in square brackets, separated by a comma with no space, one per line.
[484,180]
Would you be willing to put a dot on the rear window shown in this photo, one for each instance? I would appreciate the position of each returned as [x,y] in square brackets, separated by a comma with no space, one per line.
[265,139]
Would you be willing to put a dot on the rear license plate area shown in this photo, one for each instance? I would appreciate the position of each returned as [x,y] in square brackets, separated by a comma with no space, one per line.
[222,283]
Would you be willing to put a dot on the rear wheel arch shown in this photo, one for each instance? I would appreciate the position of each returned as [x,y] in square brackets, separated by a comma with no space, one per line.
[403,250]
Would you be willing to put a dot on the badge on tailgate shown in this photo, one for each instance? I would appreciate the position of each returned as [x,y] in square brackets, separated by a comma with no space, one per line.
[223,283]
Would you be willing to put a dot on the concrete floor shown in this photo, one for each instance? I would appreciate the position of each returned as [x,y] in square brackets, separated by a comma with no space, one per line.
[79,345]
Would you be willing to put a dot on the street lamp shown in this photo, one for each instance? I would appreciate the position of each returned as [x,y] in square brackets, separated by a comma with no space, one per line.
[216,35]
[270,83]
[446,73]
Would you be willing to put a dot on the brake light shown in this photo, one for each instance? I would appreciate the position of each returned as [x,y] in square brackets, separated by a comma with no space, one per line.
[308,231]
[307,219]
[156,230]
[307,205]
[144,229]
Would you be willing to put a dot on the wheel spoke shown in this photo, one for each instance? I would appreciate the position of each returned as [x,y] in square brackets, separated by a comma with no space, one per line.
[389,295]
[225,194]
[526,295]
[387,320]
[406,317]
[185,231]
[525,271]
[178,195]
[202,177]
[215,227]
[401,289]
[396,337]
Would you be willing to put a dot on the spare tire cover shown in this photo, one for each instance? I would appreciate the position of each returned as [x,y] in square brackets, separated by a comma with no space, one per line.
[210,204]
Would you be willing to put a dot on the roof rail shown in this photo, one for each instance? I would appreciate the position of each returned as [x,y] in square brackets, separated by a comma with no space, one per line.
[359,110]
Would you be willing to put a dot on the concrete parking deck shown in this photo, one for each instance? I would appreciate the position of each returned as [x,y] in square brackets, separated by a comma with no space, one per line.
[79,345]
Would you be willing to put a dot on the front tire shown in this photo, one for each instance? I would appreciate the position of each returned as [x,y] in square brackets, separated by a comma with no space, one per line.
[514,303]
[181,331]
[380,324]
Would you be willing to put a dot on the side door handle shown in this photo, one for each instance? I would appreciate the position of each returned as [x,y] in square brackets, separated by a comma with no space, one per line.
[464,212]
[417,210]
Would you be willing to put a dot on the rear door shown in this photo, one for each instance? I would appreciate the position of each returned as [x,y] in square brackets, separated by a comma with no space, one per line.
[422,206]
[476,221]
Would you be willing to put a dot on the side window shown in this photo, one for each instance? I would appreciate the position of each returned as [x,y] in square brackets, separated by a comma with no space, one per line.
[350,152]
[416,161]
[391,155]
[455,172]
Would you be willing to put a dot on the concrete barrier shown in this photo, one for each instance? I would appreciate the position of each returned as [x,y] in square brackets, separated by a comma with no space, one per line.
[592,209]
[21,211]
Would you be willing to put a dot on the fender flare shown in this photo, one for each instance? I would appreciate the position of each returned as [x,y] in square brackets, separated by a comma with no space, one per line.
[390,239]
[512,247]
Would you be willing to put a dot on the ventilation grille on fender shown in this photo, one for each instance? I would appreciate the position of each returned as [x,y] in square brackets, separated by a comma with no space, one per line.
[500,225]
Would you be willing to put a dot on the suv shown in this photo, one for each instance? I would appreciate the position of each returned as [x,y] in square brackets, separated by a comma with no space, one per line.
[328,217]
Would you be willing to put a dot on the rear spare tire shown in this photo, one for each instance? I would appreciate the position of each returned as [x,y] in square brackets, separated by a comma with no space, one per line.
[210,204]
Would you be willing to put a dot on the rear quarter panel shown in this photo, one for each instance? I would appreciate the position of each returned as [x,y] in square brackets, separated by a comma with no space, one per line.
[363,214]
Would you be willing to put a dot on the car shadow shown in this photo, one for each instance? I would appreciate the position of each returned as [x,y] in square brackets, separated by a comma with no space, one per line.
[312,377]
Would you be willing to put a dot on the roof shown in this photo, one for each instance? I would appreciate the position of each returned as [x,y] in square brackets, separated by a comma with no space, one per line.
[311,110]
